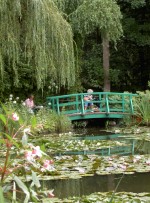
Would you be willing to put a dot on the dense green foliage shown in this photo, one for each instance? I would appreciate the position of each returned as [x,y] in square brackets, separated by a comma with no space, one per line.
[37,46]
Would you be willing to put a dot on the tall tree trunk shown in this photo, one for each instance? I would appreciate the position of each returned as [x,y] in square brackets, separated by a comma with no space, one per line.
[106,55]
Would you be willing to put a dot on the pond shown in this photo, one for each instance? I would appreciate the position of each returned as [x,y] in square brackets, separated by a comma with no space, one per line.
[138,182]
[120,173]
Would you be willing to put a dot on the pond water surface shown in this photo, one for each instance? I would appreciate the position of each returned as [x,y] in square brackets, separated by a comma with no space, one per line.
[137,182]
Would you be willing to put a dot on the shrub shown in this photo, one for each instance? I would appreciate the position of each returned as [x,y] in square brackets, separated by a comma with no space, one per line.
[142,107]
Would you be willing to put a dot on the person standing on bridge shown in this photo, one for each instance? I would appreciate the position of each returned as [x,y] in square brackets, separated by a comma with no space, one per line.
[29,103]
[88,99]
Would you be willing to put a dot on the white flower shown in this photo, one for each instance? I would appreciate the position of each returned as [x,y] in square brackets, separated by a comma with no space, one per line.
[17,98]
[117,131]
[37,152]
[14,102]
[28,156]
[26,130]
[11,95]
[23,103]
[10,98]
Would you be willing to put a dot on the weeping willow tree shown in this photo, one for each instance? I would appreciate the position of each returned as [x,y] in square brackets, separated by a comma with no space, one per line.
[105,16]
[34,35]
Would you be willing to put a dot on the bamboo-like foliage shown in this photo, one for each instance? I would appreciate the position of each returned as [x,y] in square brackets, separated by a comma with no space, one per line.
[142,106]
[34,33]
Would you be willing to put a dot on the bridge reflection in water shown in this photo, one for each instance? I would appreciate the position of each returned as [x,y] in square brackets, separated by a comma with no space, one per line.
[106,105]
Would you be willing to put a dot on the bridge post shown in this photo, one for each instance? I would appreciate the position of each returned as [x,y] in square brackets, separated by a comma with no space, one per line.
[131,104]
[82,105]
[57,105]
[107,103]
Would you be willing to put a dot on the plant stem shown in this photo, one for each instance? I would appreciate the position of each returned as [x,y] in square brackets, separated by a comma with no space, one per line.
[5,164]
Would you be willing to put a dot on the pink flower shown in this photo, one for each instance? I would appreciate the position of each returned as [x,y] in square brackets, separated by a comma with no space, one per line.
[37,152]
[122,166]
[28,155]
[47,164]
[148,162]
[15,117]
[50,194]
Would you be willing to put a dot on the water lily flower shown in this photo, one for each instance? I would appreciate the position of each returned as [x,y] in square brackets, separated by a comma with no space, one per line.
[137,130]
[148,162]
[122,166]
[111,168]
[136,158]
[15,117]
[80,169]
[117,131]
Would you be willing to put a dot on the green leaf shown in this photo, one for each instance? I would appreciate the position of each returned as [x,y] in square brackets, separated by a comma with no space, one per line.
[23,187]
[3,118]
[35,180]
[24,139]
[12,140]
[33,121]
[14,191]
[1,195]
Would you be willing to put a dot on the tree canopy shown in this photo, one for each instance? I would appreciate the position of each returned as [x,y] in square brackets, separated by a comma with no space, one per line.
[36,37]
[102,14]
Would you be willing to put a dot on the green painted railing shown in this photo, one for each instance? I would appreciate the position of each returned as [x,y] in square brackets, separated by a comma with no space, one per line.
[106,105]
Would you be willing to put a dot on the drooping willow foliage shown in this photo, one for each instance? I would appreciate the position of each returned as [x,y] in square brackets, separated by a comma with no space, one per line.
[102,14]
[34,34]
[68,6]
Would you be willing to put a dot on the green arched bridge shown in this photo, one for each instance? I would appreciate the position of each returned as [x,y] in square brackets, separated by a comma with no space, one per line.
[105,105]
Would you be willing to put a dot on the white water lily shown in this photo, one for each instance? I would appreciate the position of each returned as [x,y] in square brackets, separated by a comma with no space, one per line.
[80,169]
[117,131]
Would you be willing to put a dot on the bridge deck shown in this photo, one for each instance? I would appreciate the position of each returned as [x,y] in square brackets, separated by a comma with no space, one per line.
[106,105]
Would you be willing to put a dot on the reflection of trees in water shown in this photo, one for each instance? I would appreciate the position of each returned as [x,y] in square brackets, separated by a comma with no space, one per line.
[138,182]
[111,182]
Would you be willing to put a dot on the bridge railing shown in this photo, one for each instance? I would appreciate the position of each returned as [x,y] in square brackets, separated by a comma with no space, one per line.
[107,102]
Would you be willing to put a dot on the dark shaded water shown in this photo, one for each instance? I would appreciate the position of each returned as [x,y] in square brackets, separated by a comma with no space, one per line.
[138,182]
